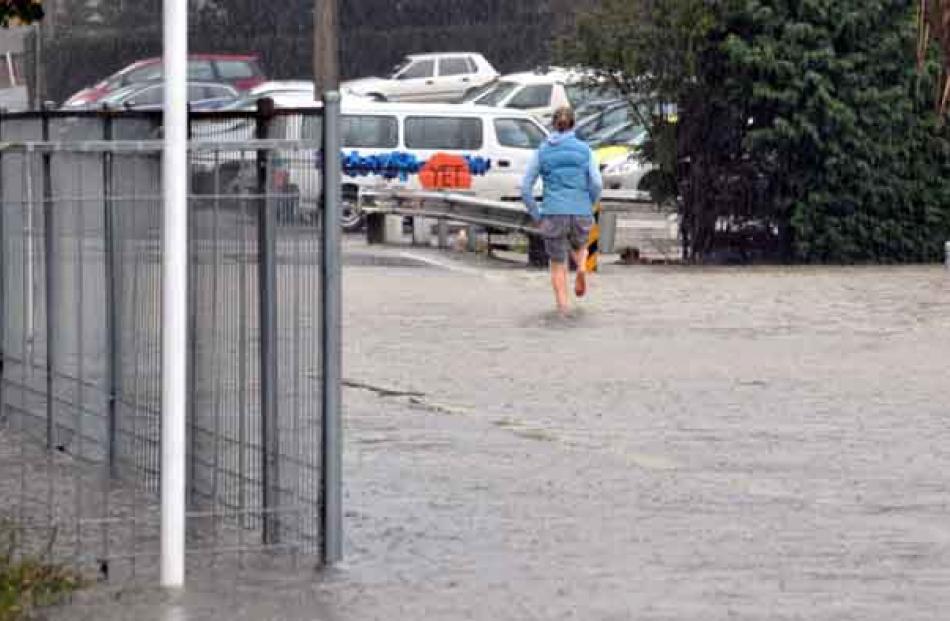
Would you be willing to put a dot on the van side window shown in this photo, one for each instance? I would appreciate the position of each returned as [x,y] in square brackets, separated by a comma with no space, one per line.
[518,133]
[364,131]
[537,96]
[434,132]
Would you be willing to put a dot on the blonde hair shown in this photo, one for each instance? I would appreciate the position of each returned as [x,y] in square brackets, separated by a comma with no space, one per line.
[564,119]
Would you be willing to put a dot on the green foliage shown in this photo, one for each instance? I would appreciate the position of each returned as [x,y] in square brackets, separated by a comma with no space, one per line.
[805,117]
[20,12]
[28,583]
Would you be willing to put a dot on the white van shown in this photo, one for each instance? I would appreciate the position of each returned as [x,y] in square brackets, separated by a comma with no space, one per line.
[508,138]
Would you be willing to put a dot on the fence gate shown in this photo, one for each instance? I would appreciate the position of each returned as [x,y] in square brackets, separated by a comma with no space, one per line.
[80,335]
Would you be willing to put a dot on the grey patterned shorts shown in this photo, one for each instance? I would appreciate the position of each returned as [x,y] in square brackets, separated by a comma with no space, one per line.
[563,232]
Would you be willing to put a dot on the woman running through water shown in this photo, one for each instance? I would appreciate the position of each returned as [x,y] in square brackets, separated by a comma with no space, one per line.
[572,186]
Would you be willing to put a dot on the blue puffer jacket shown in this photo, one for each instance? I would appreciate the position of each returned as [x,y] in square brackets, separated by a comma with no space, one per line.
[572,182]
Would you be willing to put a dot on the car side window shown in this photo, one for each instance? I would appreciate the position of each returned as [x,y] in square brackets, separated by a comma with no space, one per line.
[518,133]
[368,131]
[536,96]
[150,96]
[214,91]
[235,70]
[434,132]
[200,70]
[453,66]
[472,65]
[420,69]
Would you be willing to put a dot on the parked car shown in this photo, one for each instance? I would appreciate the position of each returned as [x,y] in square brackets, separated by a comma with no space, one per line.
[592,124]
[151,96]
[242,72]
[618,152]
[538,92]
[428,77]
[285,93]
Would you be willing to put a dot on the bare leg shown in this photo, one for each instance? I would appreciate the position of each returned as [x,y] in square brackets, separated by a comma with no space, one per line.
[559,282]
[580,283]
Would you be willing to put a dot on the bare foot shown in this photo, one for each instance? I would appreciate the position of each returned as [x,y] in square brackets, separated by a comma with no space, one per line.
[580,284]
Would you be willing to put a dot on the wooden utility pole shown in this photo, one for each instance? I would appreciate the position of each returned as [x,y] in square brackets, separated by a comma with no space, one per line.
[326,49]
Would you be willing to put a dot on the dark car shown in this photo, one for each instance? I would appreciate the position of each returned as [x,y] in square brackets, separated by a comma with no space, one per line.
[242,71]
[150,96]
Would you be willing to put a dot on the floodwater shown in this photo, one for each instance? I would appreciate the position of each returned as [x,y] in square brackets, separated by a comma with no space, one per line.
[734,443]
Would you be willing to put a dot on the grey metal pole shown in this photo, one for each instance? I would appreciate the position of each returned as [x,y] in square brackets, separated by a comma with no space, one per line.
[267,250]
[326,63]
[49,262]
[946,252]
[3,282]
[111,312]
[330,335]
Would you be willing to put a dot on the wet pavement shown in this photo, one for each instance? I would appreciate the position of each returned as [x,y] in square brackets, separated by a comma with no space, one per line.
[748,443]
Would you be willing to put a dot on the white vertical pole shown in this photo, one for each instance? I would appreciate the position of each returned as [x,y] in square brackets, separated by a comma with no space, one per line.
[174,292]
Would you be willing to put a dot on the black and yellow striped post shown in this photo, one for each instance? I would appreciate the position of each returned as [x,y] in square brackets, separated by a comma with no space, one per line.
[592,241]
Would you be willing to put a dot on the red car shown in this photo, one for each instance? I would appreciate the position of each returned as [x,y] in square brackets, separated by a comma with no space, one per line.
[243,72]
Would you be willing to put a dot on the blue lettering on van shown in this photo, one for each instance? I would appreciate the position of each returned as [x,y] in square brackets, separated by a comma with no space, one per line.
[399,165]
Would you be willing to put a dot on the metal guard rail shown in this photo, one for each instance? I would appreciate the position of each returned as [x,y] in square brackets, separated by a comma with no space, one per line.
[506,215]
[451,206]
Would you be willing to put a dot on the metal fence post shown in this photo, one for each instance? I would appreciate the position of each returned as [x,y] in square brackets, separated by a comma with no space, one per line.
[50,279]
[191,375]
[443,233]
[267,250]
[3,282]
[330,334]
[471,241]
[111,299]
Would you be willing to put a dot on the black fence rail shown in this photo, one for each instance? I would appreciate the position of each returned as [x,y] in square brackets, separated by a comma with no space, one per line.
[80,337]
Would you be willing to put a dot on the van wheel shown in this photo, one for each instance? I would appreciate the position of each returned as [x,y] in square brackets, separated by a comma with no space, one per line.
[351,217]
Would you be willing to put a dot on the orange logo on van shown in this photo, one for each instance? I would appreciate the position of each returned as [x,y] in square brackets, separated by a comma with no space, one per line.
[445,171]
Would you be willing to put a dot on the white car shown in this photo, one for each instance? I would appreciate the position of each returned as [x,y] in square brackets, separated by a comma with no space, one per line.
[285,93]
[539,92]
[427,77]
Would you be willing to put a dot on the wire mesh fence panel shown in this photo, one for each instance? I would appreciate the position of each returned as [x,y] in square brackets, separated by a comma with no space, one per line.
[80,344]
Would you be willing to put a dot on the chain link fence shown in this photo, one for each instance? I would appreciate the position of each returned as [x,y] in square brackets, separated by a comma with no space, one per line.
[80,339]
[84,42]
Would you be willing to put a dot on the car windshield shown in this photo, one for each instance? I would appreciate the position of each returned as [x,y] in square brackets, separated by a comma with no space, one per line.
[597,125]
[478,92]
[405,62]
[497,94]
[120,95]
[627,133]
[582,93]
